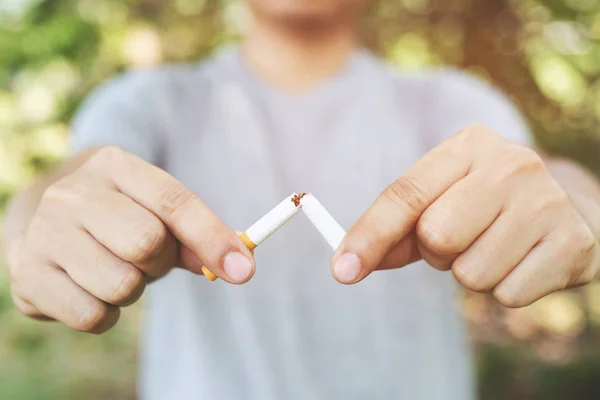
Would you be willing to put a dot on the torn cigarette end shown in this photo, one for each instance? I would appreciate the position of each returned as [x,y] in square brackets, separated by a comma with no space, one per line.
[297,198]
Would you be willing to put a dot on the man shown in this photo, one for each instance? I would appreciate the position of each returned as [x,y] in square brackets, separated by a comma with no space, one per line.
[298,108]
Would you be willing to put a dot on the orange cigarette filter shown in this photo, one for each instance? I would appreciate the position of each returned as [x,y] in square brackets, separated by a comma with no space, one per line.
[266,226]
[249,244]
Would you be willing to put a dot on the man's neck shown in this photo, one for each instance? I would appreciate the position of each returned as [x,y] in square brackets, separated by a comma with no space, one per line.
[296,60]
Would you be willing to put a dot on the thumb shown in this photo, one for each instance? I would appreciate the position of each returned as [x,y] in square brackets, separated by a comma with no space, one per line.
[189,261]
[394,214]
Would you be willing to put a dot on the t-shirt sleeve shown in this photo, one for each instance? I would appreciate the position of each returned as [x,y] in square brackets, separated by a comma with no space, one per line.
[462,100]
[124,112]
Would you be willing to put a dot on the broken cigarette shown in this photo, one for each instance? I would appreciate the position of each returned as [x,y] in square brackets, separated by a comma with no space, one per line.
[266,226]
[323,221]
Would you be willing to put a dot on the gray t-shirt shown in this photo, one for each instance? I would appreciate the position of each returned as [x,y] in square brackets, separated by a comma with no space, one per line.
[293,332]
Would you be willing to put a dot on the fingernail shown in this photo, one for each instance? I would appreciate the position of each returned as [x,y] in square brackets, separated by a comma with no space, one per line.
[237,267]
[347,268]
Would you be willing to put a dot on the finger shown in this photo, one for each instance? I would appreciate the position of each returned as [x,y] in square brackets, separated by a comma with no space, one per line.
[28,309]
[458,217]
[190,261]
[141,238]
[55,295]
[96,269]
[404,253]
[395,212]
[13,269]
[184,214]
[559,261]
[532,210]
[499,249]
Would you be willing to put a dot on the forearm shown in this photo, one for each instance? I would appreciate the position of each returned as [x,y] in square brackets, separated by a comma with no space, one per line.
[24,204]
[582,186]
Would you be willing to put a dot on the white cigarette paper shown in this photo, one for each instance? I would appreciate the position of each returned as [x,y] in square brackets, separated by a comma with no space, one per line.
[323,221]
[273,220]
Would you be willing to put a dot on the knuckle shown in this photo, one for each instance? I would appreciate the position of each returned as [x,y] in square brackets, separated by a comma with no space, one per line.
[408,193]
[14,269]
[15,281]
[470,280]
[108,155]
[67,189]
[579,240]
[42,226]
[148,241]
[550,202]
[24,307]
[438,241]
[440,265]
[174,198]
[522,160]
[29,312]
[93,318]
[440,262]
[585,246]
[130,288]
[19,276]
[510,300]
[587,241]
[106,159]
[477,132]
[583,277]
[14,254]
[55,190]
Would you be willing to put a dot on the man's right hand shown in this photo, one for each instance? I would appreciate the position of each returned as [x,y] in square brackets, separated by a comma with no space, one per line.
[100,234]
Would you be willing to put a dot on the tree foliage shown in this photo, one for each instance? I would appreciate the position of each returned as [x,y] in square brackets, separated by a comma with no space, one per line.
[545,54]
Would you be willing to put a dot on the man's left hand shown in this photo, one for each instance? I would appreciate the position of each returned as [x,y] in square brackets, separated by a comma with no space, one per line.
[483,207]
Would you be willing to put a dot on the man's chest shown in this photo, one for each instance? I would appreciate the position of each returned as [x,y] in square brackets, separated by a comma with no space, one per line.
[243,156]
[242,160]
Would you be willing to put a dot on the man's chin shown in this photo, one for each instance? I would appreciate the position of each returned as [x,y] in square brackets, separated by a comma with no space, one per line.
[307,21]
[297,15]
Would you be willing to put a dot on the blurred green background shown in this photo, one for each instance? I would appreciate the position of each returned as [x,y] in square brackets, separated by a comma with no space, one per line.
[544,53]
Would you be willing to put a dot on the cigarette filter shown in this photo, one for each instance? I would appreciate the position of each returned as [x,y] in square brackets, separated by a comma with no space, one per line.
[323,221]
[266,226]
